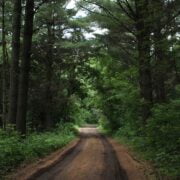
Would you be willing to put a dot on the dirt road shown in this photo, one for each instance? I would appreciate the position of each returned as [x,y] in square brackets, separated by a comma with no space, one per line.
[93,157]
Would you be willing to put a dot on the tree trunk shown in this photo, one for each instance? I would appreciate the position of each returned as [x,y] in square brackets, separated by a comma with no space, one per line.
[5,68]
[159,52]
[143,38]
[15,62]
[49,75]
[159,69]
[25,67]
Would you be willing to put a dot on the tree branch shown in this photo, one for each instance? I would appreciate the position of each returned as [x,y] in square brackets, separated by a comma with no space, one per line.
[40,4]
[109,14]
[131,14]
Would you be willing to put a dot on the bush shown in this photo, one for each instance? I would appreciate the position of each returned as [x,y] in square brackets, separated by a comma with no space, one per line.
[159,141]
[163,131]
[14,150]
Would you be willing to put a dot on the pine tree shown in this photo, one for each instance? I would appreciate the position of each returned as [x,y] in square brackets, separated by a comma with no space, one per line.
[25,67]
[14,74]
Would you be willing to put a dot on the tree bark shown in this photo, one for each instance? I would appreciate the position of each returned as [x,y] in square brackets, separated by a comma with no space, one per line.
[159,52]
[4,71]
[15,62]
[143,39]
[49,75]
[25,67]
[159,69]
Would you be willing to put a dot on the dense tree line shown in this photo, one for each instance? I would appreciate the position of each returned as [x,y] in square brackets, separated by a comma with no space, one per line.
[44,65]
[147,31]
[126,79]
[139,68]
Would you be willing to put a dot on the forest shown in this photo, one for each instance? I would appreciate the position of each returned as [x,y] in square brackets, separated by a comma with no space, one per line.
[113,63]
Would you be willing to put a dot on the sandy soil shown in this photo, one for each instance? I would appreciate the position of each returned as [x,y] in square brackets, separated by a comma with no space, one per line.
[93,157]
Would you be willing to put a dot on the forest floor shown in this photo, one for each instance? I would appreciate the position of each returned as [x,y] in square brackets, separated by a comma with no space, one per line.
[92,157]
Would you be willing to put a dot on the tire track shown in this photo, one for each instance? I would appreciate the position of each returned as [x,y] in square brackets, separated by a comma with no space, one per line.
[112,170]
[92,159]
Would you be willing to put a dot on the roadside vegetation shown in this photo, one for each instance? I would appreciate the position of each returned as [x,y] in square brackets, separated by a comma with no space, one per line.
[158,140]
[15,151]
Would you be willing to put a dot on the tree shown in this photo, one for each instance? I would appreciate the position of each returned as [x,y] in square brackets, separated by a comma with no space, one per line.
[5,67]
[14,74]
[25,67]
[143,46]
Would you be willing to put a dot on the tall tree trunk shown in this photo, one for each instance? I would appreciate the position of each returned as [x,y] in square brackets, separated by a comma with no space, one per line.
[15,62]
[25,67]
[4,71]
[159,52]
[160,67]
[49,75]
[143,38]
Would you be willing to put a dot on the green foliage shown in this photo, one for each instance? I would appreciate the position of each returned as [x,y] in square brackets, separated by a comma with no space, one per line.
[163,132]
[14,150]
[161,140]
[78,113]
[120,97]
[157,140]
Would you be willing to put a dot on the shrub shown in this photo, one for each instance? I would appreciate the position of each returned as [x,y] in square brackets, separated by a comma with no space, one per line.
[163,131]
[14,150]
[160,140]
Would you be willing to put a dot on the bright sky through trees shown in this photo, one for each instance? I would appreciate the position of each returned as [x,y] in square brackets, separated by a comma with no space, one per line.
[83,13]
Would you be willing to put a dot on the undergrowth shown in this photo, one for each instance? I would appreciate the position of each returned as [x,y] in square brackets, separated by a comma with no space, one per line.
[159,141]
[14,150]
